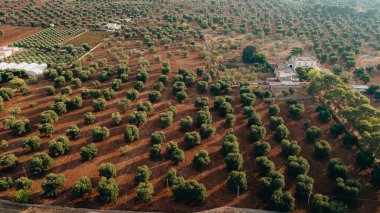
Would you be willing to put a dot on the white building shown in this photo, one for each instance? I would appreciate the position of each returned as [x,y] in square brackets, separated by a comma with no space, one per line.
[286,75]
[359,88]
[112,26]
[302,61]
[31,69]
[7,51]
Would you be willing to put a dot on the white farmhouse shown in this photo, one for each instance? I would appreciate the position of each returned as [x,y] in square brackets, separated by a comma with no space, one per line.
[302,61]
[286,75]
[359,88]
[112,26]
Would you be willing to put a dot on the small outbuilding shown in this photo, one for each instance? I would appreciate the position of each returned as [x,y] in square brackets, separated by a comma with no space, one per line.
[360,87]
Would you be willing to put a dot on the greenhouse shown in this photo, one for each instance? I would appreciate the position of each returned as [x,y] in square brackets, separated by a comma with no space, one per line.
[31,69]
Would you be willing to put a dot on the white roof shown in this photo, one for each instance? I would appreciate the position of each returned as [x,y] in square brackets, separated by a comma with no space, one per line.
[359,86]
[31,69]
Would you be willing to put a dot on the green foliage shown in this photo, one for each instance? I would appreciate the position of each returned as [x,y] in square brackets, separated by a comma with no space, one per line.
[116,118]
[138,118]
[237,181]
[31,143]
[230,144]
[47,129]
[304,187]
[145,192]
[107,170]
[8,160]
[347,190]
[296,110]
[143,174]
[365,159]
[281,201]
[108,190]
[257,133]
[88,152]
[81,187]
[297,165]
[234,161]
[274,122]
[322,149]
[73,131]
[281,133]
[89,118]
[336,169]
[59,146]
[206,131]
[261,148]
[270,183]
[99,104]
[186,123]
[264,165]
[22,196]
[290,147]
[53,184]
[49,116]
[6,183]
[313,133]
[155,151]
[201,160]
[166,119]
[274,110]
[157,137]
[100,133]
[40,162]
[131,133]
[190,191]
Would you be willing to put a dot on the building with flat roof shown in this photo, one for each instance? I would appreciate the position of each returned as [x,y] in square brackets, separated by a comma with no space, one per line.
[359,87]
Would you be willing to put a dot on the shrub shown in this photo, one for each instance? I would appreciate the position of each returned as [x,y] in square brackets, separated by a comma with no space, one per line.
[143,174]
[53,184]
[73,131]
[116,118]
[49,116]
[237,181]
[281,201]
[81,187]
[138,118]
[296,110]
[201,160]
[132,94]
[304,187]
[40,162]
[336,169]
[166,119]
[347,190]
[99,104]
[281,132]
[230,120]
[349,140]
[297,165]
[66,90]
[322,149]
[255,119]
[365,159]
[155,151]
[190,191]
[59,81]
[202,86]
[47,129]
[154,96]
[131,133]
[203,117]
[274,110]
[192,139]
[261,148]
[270,183]
[107,170]
[264,165]
[257,133]
[23,183]
[230,144]
[88,152]
[116,83]
[157,137]
[170,147]
[313,133]
[247,99]
[89,118]
[100,133]
[59,107]
[108,190]
[124,104]
[337,129]
[31,143]
[6,93]
[186,123]
[50,90]
[290,147]
[234,161]
[3,145]
[139,86]
[58,147]
[320,203]
[274,122]
[181,95]
[22,196]
[177,156]
[375,176]
[145,192]
[6,183]
[206,131]
[9,160]
[145,106]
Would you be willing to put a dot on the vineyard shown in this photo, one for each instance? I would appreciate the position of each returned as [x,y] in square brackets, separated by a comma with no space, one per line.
[47,38]
[91,38]
[40,56]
